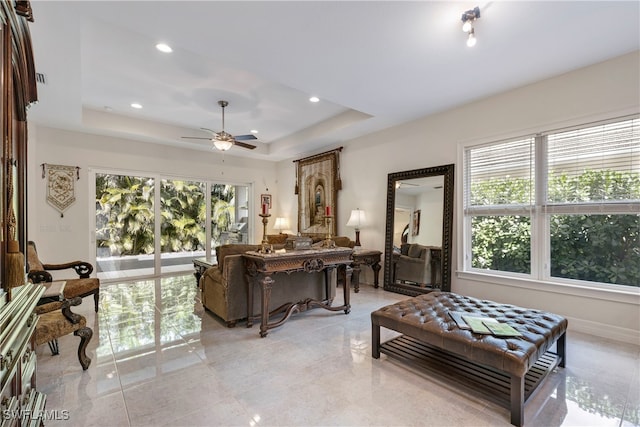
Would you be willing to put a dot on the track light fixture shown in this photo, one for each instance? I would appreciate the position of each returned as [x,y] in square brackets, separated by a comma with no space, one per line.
[471,39]
[468,18]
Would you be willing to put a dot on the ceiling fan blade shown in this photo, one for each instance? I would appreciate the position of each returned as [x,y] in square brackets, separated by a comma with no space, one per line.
[195,137]
[244,145]
[244,137]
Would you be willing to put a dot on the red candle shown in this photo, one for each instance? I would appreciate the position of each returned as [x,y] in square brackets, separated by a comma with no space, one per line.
[328,209]
[265,209]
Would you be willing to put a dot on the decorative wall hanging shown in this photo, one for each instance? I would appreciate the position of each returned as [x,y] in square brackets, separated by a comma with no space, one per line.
[416,223]
[60,185]
[317,188]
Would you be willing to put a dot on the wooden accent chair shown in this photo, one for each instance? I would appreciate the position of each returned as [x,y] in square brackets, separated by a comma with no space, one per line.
[80,287]
[56,320]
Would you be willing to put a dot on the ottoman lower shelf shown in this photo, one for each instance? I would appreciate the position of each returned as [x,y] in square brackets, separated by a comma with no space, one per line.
[485,381]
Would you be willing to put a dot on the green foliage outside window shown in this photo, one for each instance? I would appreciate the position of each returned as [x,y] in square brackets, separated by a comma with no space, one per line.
[598,248]
[125,214]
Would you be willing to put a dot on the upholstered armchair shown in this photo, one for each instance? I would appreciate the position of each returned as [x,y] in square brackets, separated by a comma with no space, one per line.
[417,264]
[82,286]
[55,320]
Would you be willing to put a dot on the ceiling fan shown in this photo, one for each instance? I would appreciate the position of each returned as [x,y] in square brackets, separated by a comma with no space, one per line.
[403,184]
[223,140]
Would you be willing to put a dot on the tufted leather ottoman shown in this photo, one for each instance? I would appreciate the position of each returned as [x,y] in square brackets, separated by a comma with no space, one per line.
[433,340]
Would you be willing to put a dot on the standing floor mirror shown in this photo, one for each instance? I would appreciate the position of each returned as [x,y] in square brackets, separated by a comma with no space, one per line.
[418,230]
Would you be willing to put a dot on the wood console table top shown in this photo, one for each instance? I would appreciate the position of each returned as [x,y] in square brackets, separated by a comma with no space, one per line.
[260,267]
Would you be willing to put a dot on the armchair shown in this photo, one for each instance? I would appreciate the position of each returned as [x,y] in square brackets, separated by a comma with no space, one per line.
[417,264]
[56,320]
[80,287]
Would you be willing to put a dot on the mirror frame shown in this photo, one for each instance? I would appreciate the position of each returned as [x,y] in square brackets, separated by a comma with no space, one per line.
[447,171]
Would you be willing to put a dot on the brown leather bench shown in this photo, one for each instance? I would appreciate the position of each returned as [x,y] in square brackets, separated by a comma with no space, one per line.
[506,370]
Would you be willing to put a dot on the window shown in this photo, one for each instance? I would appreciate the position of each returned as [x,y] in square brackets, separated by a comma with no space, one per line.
[559,206]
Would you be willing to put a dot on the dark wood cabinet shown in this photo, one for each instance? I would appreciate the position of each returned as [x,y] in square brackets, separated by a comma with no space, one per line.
[18,87]
[20,403]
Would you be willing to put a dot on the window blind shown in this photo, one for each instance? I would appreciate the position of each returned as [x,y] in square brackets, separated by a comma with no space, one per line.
[598,164]
[490,168]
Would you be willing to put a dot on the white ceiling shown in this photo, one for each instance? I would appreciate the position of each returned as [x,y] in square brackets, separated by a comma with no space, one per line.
[373,64]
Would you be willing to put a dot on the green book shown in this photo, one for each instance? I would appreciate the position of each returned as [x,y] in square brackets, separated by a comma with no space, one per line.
[477,324]
[502,329]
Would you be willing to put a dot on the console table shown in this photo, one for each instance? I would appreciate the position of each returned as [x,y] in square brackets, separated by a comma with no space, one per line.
[365,257]
[261,267]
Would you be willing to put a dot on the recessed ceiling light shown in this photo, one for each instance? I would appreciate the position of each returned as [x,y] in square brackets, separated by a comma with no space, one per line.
[314,99]
[254,131]
[136,105]
[162,47]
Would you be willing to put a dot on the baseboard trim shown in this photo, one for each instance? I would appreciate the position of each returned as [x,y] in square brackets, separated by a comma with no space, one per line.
[616,333]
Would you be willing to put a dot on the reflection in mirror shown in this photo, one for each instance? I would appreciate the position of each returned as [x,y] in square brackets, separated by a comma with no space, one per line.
[418,230]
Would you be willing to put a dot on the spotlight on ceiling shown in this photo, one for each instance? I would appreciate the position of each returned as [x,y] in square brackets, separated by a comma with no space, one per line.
[468,18]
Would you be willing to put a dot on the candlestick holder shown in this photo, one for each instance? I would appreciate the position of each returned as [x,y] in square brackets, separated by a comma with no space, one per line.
[266,248]
[328,243]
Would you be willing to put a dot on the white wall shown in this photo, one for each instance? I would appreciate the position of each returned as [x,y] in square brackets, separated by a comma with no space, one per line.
[601,91]
[430,206]
[597,92]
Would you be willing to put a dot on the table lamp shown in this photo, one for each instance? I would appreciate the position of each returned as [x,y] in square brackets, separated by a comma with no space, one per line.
[281,224]
[356,219]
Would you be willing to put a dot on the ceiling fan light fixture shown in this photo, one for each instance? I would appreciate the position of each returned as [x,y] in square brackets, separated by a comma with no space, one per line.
[222,140]
[221,144]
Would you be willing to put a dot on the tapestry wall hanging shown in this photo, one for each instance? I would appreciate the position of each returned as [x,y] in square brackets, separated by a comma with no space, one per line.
[60,185]
[318,182]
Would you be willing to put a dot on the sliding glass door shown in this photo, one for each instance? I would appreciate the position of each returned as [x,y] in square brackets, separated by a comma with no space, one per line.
[151,225]
[125,223]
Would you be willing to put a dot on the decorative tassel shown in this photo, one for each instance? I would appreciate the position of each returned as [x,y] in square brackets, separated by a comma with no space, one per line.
[15,264]
[339,180]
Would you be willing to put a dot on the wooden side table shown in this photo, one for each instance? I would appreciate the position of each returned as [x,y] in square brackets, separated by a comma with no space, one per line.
[365,257]
[200,265]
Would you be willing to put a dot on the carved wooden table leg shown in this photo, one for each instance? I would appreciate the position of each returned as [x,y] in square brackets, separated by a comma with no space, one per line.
[355,276]
[376,273]
[267,284]
[85,335]
[342,273]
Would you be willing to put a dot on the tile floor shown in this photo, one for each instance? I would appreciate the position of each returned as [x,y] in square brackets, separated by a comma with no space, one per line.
[159,359]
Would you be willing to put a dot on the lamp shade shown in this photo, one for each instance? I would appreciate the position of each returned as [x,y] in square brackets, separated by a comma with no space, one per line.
[281,224]
[356,219]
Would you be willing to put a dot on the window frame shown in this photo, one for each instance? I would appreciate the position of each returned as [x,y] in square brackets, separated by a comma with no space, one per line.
[540,271]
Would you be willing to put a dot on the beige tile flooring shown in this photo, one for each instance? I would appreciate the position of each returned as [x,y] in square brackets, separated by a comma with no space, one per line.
[159,359]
